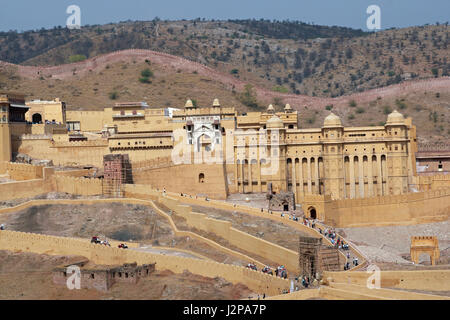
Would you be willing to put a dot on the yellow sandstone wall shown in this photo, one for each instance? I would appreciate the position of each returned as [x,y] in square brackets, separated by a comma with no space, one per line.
[66,153]
[413,208]
[43,244]
[78,186]
[24,189]
[185,178]
[438,181]
[429,280]
[245,241]
[21,171]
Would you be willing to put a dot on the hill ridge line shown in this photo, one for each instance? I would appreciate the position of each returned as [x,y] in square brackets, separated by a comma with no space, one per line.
[168,60]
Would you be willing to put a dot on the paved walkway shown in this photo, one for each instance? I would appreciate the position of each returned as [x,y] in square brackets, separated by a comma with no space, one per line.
[174,252]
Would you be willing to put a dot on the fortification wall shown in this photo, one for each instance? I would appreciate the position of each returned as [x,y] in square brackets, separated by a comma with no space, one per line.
[413,208]
[66,153]
[429,280]
[78,186]
[439,181]
[382,293]
[245,241]
[24,189]
[22,171]
[180,178]
[43,244]
[144,192]
[73,173]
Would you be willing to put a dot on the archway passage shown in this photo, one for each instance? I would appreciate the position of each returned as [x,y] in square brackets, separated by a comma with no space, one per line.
[36,118]
[312,213]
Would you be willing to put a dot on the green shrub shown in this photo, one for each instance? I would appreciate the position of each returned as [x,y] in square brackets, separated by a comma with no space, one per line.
[401,105]
[147,73]
[113,95]
[280,89]
[387,110]
[351,116]
[360,110]
[144,80]
[77,58]
[329,107]
[352,103]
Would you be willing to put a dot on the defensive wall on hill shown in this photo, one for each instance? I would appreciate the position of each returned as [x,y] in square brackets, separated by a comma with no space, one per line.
[43,244]
[170,61]
[433,182]
[161,173]
[178,233]
[421,207]
[427,280]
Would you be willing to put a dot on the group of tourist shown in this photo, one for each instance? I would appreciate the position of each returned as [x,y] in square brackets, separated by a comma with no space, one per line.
[279,271]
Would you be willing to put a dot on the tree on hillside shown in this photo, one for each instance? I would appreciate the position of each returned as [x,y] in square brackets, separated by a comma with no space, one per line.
[248,97]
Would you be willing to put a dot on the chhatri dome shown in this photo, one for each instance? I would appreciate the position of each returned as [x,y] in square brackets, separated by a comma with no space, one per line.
[274,123]
[287,108]
[395,118]
[270,109]
[189,104]
[216,103]
[332,120]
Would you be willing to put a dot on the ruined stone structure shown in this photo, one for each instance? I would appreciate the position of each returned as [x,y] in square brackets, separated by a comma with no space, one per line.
[424,244]
[102,278]
[315,257]
[283,201]
[117,171]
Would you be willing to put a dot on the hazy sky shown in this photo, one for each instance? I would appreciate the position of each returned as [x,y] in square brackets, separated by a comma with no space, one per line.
[24,15]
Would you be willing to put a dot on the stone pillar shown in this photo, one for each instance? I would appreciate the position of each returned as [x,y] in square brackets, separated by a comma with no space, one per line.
[316,178]
[259,175]
[242,175]
[236,178]
[361,177]
[294,179]
[369,177]
[250,184]
[300,176]
[380,178]
[308,167]
[352,177]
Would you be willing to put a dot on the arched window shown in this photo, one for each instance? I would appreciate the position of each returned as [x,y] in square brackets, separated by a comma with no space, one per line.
[36,118]
[201,178]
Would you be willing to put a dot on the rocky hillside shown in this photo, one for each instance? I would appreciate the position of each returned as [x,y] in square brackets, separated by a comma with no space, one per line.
[285,57]
[241,63]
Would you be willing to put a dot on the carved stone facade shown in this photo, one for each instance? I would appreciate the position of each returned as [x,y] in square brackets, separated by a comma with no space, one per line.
[282,201]
[314,257]
[423,244]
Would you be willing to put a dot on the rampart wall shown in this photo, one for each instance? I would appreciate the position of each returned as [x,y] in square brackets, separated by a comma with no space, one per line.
[22,171]
[78,185]
[24,189]
[245,241]
[43,244]
[428,280]
[433,182]
[212,184]
[421,207]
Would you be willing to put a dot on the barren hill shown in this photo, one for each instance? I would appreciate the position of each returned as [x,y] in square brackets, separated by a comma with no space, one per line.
[89,84]
[362,77]
[281,56]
